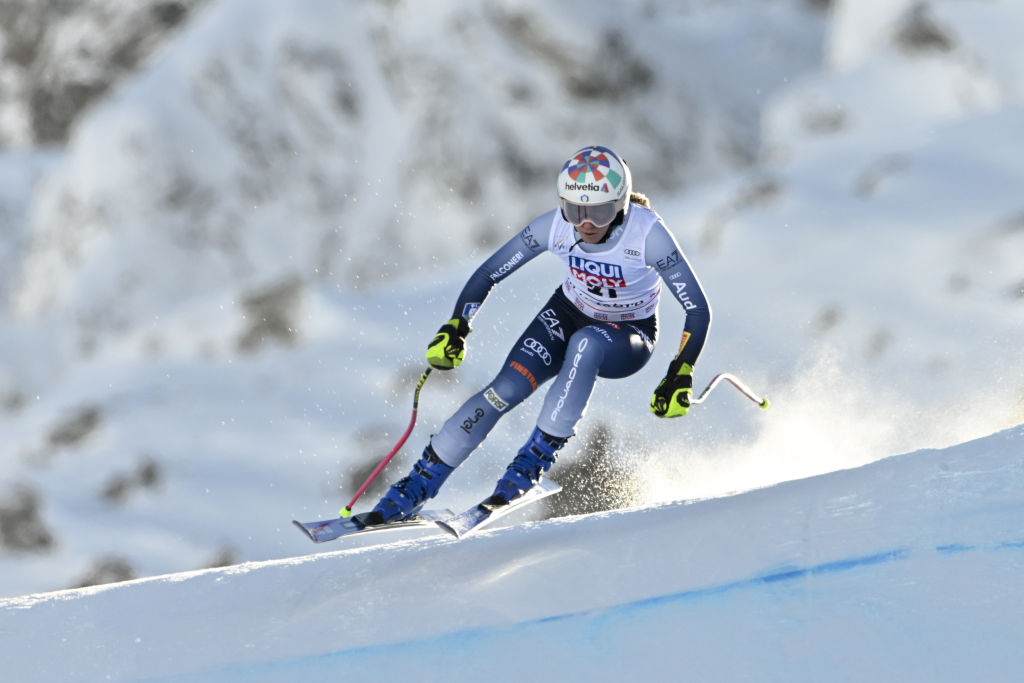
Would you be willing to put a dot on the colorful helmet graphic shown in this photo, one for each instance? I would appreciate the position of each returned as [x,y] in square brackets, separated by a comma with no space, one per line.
[594,185]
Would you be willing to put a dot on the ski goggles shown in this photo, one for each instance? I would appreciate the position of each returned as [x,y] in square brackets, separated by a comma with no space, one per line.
[598,214]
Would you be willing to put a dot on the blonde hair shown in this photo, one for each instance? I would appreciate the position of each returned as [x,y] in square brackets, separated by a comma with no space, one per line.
[640,198]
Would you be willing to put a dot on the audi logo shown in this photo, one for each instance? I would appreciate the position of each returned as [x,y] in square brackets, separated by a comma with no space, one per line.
[531,344]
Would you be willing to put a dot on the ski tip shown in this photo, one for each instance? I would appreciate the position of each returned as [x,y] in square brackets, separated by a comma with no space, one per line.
[304,530]
[445,527]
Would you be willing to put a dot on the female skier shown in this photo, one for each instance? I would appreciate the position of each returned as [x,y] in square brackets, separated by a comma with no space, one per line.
[601,322]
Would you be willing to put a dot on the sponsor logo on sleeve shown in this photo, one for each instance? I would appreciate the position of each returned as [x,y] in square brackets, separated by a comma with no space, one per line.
[683,297]
[529,240]
[670,261]
[682,342]
[506,267]
[470,310]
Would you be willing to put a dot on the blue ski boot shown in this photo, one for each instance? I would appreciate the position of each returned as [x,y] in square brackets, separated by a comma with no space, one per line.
[408,494]
[537,455]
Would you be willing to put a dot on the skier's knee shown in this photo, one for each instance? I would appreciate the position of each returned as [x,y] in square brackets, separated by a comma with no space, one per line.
[510,387]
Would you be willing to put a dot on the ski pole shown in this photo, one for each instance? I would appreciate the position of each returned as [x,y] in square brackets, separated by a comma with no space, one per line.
[735,381]
[347,510]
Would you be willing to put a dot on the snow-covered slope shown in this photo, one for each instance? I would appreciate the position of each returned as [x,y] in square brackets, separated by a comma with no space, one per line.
[905,569]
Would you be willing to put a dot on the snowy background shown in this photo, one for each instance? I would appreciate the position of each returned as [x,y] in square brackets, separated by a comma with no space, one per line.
[230,227]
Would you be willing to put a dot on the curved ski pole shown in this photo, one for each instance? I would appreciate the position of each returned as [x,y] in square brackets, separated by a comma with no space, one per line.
[735,381]
[347,510]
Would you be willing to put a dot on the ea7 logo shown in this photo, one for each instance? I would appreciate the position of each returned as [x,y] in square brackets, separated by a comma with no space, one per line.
[529,240]
[671,260]
[554,325]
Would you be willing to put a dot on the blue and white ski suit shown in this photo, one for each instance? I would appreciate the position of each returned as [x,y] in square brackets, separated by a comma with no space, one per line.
[601,322]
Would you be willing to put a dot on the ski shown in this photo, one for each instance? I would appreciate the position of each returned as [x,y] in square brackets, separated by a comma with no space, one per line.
[479,516]
[330,529]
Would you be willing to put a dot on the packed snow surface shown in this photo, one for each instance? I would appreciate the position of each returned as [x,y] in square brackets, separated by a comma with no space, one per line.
[904,569]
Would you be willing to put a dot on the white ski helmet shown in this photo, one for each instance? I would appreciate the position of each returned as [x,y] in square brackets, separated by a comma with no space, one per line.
[594,185]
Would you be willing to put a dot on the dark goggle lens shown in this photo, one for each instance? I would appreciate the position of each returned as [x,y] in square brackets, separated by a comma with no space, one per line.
[598,214]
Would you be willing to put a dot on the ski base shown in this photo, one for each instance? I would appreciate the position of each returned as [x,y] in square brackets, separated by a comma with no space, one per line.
[330,529]
[479,516]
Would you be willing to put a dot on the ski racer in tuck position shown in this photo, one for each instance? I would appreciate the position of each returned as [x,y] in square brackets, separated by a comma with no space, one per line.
[600,322]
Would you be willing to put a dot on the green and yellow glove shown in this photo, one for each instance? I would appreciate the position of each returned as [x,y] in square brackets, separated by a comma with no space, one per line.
[672,397]
[448,348]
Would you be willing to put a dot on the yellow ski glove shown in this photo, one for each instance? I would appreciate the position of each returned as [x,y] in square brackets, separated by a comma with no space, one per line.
[448,347]
[672,397]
